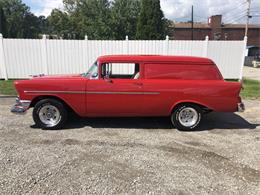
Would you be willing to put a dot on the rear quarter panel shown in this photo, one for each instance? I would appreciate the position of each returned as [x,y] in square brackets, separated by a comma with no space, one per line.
[216,95]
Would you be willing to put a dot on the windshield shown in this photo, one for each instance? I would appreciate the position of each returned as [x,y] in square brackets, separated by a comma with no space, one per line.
[92,72]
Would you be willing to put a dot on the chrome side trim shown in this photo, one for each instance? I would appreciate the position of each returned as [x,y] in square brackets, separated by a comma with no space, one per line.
[123,93]
[64,92]
[95,92]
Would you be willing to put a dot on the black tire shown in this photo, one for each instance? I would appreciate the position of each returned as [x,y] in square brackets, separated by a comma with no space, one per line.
[175,117]
[55,104]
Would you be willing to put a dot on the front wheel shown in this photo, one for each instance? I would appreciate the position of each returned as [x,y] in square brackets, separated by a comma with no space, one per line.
[186,117]
[49,114]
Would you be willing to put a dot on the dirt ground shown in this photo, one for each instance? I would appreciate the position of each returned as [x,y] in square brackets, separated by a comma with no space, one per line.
[252,73]
[131,155]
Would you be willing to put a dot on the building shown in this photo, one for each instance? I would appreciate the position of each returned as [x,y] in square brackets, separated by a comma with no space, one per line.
[217,30]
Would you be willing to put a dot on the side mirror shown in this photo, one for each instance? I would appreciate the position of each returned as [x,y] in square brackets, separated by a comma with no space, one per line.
[94,75]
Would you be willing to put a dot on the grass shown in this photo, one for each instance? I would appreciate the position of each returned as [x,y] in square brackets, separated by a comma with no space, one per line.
[7,87]
[251,88]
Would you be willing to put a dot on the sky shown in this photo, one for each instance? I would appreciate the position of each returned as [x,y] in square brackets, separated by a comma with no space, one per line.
[233,11]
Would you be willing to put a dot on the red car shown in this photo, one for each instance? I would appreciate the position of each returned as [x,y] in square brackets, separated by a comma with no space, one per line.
[181,87]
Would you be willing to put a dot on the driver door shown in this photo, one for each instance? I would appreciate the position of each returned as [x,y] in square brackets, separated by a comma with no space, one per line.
[116,92]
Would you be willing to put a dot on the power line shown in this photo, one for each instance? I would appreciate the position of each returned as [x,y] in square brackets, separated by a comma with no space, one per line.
[234,9]
[235,16]
[236,20]
[232,17]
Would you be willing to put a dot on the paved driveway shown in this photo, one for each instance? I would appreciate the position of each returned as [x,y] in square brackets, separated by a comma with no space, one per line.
[131,155]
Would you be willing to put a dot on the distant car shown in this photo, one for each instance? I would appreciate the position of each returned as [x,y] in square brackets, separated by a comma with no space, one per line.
[181,87]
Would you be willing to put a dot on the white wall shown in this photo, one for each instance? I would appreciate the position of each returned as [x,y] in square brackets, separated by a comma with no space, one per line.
[20,58]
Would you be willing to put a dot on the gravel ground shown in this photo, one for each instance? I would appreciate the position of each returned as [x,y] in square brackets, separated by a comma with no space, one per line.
[251,73]
[131,155]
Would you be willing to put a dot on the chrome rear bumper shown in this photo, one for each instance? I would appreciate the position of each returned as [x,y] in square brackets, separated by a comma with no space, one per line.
[241,107]
[21,106]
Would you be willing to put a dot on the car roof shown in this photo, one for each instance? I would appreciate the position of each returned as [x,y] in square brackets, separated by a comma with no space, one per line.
[154,59]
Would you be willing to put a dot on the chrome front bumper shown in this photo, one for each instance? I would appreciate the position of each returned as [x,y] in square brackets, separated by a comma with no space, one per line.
[241,107]
[21,106]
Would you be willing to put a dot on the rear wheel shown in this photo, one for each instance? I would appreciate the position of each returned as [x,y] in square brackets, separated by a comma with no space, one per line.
[49,114]
[186,117]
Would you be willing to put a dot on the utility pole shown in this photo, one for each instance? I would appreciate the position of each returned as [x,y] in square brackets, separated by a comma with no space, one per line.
[192,24]
[247,16]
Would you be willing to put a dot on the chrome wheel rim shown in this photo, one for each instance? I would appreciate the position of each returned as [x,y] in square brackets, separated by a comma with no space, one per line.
[49,115]
[188,117]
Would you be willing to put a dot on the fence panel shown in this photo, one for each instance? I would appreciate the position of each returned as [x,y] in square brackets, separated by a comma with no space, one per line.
[24,57]
[98,48]
[188,48]
[64,56]
[146,47]
[228,55]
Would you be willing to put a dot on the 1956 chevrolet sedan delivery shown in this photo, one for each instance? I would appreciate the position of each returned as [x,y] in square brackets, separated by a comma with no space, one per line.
[181,87]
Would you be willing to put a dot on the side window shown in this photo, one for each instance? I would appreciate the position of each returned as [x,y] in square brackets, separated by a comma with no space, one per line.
[121,70]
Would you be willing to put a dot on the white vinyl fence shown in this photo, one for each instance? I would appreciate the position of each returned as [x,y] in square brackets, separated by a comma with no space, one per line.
[20,58]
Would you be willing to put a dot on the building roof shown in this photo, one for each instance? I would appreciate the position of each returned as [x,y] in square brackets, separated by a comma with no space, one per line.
[188,25]
[241,26]
[207,26]
[153,58]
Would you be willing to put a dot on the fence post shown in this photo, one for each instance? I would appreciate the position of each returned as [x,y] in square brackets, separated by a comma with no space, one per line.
[205,48]
[2,59]
[86,51]
[167,45]
[127,44]
[44,54]
[243,58]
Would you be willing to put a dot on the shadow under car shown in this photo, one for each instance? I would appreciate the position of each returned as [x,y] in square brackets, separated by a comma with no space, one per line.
[210,121]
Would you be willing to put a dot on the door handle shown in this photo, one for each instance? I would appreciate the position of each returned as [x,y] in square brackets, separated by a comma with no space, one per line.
[108,80]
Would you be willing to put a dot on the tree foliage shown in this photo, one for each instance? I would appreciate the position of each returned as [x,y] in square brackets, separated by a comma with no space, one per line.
[90,17]
[17,21]
[151,22]
[2,20]
[59,24]
[99,19]
[124,14]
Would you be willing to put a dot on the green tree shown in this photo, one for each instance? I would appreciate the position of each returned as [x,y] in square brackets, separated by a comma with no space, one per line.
[43,25]
[71,5]
[90,17]
[29,26]
[2,21]
[124,14]
[151,22]
[59,24]
[19,22]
